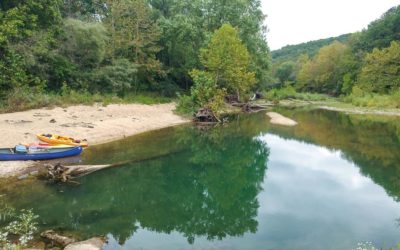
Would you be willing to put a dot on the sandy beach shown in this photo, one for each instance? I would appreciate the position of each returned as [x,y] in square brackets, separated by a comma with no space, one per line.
[98,124]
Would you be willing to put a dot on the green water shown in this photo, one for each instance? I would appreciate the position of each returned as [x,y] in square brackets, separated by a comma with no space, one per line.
[328,183]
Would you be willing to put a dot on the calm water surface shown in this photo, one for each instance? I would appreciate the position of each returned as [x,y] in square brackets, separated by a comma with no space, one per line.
[328,183]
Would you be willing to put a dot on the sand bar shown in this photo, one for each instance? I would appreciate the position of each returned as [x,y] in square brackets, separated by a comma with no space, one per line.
[279,119]
[98,124]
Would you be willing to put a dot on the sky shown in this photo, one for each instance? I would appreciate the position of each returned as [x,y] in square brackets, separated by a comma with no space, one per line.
[298,21]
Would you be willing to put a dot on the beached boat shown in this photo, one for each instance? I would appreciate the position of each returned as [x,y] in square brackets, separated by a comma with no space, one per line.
[59,139]
[47,145]
[35,145]
[21,153]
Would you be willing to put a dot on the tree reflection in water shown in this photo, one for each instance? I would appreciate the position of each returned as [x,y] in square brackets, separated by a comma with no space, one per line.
[205,183]
[207,190]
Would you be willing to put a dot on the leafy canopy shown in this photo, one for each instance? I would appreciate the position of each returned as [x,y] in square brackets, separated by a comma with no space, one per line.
[228,60]
[381,70]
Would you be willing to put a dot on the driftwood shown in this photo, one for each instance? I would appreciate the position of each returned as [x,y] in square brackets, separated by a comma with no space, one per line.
[57,239]
[205,115]
[66,174]
[60,173]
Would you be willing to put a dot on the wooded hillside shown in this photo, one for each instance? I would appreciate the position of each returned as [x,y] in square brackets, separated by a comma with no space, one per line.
[362,66]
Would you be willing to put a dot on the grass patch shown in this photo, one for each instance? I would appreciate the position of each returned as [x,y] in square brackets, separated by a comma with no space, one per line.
[372,100]
[146,98]
[289,92]
[24,99]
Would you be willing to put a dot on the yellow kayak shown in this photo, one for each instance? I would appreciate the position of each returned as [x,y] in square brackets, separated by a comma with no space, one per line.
[58,139]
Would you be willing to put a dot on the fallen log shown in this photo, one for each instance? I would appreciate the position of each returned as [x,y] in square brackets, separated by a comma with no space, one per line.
[66,174]
[81,170]
[60,173]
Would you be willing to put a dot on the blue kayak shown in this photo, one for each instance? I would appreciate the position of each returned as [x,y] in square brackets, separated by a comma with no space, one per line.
[11,154]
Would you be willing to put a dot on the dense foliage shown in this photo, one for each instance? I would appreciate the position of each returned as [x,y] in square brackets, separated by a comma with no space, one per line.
[381,32]
[323,73]
[125,47]
[364,67]
[381,70]
[227,71]
[119,47]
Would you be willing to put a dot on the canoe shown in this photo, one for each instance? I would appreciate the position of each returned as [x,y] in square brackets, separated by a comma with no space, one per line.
[58,139]
[11,154]
[45,145]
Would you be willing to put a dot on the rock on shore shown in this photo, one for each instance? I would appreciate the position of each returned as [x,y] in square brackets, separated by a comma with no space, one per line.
[90,244]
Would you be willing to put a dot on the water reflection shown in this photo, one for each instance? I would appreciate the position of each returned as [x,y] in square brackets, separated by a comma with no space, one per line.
[316,199]
[371,142]
[209,189]
[331,181]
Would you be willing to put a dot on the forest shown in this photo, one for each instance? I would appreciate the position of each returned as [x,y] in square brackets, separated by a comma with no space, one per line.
[90,49]
[200,51]
[362,68]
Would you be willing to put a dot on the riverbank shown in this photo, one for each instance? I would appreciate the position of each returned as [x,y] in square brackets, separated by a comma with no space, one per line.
[335,105]
[98,124]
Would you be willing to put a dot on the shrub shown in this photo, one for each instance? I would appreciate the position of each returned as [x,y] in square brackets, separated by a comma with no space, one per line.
[118,78]
[85,43]
[358,97]
[22,227]
[203,94]
[289,92]
[22,98]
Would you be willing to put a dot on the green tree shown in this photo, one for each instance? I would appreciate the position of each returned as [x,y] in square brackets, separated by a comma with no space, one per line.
[348,68]
[182,38]
[84,43]
[20,22]
[381,32]
[286,72]
[119,77]
[188,25]
[249,19]
[134,35]
[90,10]
[381,70]
[305,75]
[323,73]
[228,60]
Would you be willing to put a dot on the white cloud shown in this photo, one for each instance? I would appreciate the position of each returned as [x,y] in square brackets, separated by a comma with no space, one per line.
[294,21]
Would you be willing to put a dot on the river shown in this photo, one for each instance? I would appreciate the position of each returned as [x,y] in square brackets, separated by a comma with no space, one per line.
[330,182]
